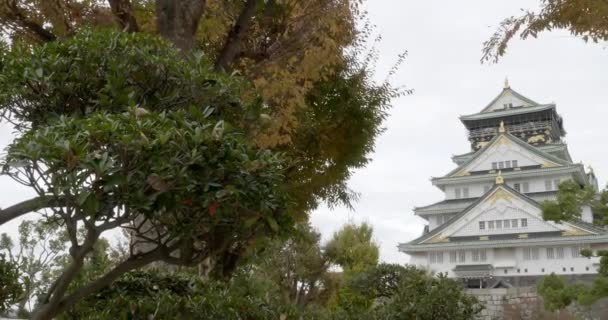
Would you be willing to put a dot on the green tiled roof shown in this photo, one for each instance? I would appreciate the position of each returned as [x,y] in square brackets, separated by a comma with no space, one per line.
[507,112]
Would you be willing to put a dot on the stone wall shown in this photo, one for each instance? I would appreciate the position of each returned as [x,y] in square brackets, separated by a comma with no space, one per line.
[524,303]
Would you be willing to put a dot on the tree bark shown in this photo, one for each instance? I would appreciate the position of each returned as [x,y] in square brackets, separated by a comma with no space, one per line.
[26,207]
[177,21]
[49,307]
[123,13]
[232,44]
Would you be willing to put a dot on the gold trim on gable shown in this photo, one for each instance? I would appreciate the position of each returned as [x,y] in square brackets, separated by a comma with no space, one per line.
[548,164]
[500,194]
[575,232]
[503,140]
[438,238]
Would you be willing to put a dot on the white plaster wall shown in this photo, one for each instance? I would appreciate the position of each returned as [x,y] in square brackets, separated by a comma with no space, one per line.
[536,184]
[502,152]
[504,211]
[511,260]
[587,214]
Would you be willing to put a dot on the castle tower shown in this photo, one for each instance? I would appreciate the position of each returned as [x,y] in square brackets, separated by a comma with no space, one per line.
[489,229]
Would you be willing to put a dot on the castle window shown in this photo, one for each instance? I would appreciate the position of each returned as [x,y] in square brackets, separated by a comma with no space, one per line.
[462,256]
[501,165]
[457,193]
[482,225]
[564,269]
[479,255]
[505,271]
[514,163]
[517,187]
[542,270]
[576,251]
[548,185]
[559,252]
[524,223]
[586,268]
[526,187]
[572,269]
[494,165]
[507,223]
[550,253]
[508,164]
[452,256]
[475,255]
[527,254]
[498,224]
[526,270]
[465,192]
[491,224]
[436,257]
[534,254]
[513,223]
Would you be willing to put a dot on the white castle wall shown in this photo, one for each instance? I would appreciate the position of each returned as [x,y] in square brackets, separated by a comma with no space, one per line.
[513,261]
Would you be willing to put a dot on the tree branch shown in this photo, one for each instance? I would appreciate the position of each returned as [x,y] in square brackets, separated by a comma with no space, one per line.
[122,11]
[18,18]
[26,207]
[235,37]
[124,267]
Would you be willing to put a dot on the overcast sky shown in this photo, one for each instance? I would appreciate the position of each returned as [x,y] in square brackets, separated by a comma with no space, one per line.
[444,41]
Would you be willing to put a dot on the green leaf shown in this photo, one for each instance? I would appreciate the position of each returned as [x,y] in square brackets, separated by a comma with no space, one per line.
[251,221]
[90,205]
[272,223]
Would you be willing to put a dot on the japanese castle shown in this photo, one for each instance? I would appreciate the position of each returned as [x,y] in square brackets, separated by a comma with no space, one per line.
[489,229]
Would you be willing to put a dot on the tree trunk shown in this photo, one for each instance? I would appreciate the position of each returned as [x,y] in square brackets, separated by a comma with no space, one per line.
[177,21]
[232,44]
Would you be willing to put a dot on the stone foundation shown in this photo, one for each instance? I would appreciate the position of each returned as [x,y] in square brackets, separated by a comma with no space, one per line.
[524,303]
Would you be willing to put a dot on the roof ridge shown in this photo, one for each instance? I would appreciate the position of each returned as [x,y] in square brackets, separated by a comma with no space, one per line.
[515,93]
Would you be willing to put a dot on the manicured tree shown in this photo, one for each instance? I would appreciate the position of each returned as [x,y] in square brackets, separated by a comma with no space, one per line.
[120,130]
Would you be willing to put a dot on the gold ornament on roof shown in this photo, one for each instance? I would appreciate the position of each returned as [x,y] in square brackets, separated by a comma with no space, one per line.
[499,178]
[502,129]
[507,83]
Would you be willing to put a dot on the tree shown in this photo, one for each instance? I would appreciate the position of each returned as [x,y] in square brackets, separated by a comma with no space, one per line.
[571,197]
[10,287]
[582,18]
[179,179]
[177,107]
[408,293]
[352,247]
[285,48]
[39,245]
[297,266]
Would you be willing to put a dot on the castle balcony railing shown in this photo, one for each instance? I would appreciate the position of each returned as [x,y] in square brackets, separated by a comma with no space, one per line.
[513,128]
